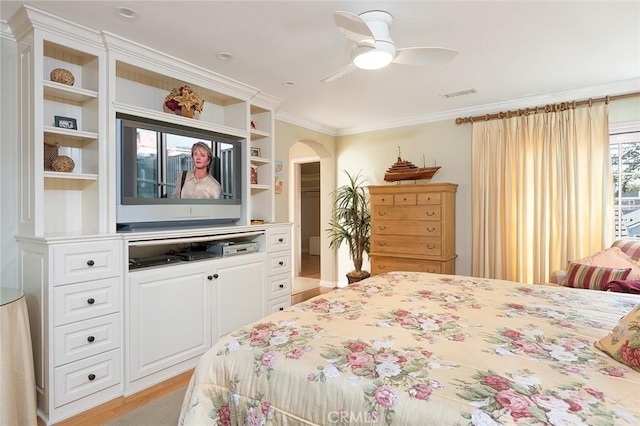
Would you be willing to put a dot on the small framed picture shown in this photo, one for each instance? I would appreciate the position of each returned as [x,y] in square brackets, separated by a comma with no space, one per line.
[255,152]
[66,123]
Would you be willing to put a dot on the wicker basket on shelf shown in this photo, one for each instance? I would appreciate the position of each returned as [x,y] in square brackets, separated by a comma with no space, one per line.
[50,154]
[62,163]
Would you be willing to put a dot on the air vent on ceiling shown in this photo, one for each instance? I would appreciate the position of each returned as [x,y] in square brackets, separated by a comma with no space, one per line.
[460,93]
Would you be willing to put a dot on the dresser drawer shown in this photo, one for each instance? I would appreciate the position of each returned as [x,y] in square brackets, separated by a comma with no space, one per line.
[85,261]
[279,285]
[82,378]
[382,200]
[279,262]
[404,200]
[86,338]
[407,227]
[421,212]
[407,244]
[76,302]
[429,198]
[278,239]
[382,264]
[277,305]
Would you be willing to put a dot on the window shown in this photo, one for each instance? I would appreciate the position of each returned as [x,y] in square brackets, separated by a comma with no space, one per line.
[624,140]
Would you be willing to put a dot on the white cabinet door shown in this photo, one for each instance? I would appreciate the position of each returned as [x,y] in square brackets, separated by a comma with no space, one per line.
[240,294]
[169,317]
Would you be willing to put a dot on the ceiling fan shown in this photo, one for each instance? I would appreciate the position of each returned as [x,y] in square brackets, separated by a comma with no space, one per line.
[373,47]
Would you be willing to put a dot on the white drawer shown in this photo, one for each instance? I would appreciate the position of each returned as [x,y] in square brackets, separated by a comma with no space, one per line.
[278,239]
[78,302]
[79,379]
[79,262]
[277,305]
[86,338]
[279,262]
[279,285]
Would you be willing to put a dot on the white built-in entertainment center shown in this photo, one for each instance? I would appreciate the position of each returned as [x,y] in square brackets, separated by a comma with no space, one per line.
[115,312]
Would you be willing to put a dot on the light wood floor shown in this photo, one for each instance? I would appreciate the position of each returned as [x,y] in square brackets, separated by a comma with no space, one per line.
[110,410]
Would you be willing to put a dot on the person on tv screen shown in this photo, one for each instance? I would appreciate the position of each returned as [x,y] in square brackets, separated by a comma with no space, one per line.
[198,183]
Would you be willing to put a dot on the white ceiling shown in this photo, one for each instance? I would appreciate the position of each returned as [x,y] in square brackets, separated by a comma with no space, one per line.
[529,51]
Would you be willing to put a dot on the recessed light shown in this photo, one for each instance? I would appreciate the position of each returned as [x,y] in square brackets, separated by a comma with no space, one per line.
[289,83]
[224,56]
[126,12]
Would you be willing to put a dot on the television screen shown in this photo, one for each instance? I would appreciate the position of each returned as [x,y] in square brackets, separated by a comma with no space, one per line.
[156,167]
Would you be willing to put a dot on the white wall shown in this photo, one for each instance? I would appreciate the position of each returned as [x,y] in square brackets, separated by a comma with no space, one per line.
[8,162]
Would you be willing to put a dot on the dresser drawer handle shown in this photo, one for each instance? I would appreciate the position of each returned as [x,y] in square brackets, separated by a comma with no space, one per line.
[382,227]
[281,263]
[431,246]
[281,286]
[91,377]
[281,240]
[430,213]
[382,213]
[383,267]
[91,339]
[91,300]
[90,262]
[382,243]
[431,229]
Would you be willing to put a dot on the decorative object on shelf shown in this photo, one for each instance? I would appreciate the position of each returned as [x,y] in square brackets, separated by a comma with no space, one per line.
[278,185]
[63,163]
[255,152]
[351,223]
[406,170]
[66,123]
[61,75]
[253,125]
[254,175]
[50,154]
[184,101]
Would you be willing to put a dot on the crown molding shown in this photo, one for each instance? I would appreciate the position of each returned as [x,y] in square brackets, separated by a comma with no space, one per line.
[5,31]
[311,125]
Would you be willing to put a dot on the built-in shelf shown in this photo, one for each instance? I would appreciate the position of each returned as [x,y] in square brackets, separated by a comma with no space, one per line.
[259,160]
[70,175]
[68,136]
[69,93]
[258,134]
[260,187]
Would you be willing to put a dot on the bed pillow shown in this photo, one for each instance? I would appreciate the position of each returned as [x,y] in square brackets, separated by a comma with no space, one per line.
[623,343]
[613,257]
[592,277]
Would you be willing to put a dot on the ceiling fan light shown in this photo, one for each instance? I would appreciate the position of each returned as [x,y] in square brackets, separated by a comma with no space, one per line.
[368,58]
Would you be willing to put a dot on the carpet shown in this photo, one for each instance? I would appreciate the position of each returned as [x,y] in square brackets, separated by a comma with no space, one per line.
[160,412]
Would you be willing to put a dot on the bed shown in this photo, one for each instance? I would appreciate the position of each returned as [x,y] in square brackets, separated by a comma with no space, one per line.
[408,348]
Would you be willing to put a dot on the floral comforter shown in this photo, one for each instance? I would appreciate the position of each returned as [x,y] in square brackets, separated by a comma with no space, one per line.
[422,349]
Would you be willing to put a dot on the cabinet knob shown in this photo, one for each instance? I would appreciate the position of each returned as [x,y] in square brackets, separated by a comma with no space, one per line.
[91,339]
[91,300]
[281,309]
[281,286]
[281,240]
[91,376]
[90,262]
[281,263]
[210,277]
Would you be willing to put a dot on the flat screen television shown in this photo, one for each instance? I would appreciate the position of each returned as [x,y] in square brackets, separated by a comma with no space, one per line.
[151,156]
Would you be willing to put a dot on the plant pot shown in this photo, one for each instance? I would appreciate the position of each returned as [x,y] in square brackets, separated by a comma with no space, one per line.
[355,276]
[186,112]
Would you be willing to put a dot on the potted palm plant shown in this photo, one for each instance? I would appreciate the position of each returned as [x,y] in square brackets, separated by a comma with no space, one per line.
[351,223]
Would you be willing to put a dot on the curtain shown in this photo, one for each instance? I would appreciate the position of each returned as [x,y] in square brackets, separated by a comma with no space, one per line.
[542,192]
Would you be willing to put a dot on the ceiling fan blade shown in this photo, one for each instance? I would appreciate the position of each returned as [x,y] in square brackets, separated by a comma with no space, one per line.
[424,55]
[340,73]
[354,28]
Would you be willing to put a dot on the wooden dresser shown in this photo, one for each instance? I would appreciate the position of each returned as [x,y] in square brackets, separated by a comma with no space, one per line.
[413,228]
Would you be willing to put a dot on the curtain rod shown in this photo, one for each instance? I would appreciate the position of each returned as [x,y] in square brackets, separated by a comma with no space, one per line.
[545,108]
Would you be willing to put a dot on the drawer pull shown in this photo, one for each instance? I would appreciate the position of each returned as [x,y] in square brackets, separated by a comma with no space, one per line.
[431,246]
[430,213]
[91,339]
[281,263]
[382,243]
[91,300]
[431,229]
[382,227]
[281,286]
[210,277]
[90,262]
[91,377]
[281,240]
[281,309]
[381,213]
[431,271]
[215,276]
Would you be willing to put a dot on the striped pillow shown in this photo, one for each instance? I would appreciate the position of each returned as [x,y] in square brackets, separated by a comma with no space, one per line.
[592,277]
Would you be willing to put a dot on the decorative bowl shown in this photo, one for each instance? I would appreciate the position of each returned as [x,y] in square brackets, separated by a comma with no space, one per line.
[63,163]
[61,75]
